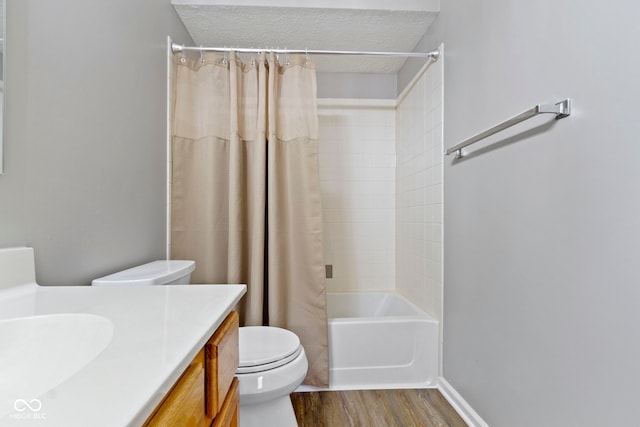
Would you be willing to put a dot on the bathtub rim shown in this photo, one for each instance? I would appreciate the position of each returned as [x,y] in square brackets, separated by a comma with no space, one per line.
[419,314]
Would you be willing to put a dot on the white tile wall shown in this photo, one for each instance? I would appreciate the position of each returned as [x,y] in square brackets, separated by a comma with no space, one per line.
[381,177]
[419,199]
[357,173]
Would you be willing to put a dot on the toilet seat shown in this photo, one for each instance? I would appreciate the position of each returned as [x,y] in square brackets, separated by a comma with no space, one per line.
[266,347]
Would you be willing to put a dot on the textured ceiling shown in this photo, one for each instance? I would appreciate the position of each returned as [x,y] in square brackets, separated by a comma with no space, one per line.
[318,25]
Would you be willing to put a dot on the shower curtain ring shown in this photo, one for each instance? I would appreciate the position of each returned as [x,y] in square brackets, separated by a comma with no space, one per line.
[201,55]
[306,56]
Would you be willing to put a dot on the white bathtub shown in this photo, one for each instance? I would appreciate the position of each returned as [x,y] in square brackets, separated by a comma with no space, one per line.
[380,340]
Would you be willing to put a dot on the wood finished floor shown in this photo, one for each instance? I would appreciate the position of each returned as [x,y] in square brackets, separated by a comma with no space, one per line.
[375,408]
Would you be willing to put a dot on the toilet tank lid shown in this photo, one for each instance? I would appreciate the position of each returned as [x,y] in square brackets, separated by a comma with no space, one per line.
[153,273]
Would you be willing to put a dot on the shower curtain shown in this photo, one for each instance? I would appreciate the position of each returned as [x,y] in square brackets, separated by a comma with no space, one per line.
[245,201]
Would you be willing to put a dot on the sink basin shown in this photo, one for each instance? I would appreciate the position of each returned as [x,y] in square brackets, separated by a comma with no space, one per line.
[39,353]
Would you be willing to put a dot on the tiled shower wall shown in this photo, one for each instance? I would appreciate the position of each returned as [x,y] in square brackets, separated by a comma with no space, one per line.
[381,178]
[357,172]
[419,151]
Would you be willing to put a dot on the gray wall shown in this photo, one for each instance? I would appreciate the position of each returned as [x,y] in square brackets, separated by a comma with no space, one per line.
[542,230]
[84,180]
[357,85]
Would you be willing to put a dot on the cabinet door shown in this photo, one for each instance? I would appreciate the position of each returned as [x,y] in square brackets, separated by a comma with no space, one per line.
[221,363]
[184,404]
[229,413]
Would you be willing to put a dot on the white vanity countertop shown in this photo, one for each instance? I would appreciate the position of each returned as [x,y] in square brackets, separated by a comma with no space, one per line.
[157,331]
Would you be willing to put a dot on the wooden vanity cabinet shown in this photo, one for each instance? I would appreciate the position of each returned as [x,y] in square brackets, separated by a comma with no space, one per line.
[206,394]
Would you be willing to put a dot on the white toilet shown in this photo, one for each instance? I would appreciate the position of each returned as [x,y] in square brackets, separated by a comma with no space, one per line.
[272,364]
[272,360]
[164,272]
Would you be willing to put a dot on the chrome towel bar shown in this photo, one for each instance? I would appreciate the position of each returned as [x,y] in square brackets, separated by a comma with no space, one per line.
[561,109]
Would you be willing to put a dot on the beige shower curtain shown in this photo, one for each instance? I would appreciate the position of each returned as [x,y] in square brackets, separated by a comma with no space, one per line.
[245,201]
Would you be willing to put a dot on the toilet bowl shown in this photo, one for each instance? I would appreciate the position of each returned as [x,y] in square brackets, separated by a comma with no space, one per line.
[272,362]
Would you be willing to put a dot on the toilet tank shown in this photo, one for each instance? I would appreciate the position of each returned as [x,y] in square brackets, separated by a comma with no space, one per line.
[164,272]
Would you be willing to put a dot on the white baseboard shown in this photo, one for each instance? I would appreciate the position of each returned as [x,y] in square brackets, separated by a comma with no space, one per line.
[460,405]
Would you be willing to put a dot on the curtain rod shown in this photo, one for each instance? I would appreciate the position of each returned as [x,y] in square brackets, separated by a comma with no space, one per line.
[176,48]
